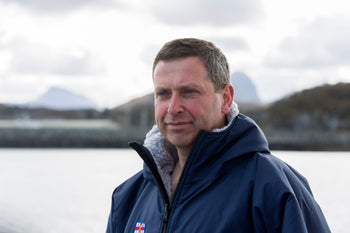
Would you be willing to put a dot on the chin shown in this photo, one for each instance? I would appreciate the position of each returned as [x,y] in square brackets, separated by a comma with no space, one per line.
[181,141]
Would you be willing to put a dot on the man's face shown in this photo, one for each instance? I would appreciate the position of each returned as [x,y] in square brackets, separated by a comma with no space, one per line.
[185,101]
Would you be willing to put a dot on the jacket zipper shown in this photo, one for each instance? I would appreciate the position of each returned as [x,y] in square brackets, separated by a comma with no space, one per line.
[165,217]
[147,158]
[152,166]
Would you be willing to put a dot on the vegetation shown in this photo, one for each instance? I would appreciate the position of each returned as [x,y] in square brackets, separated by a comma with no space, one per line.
[326,107]
[313,119]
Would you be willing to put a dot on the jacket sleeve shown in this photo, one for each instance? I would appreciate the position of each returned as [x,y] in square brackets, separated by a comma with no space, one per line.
[282,201]
[111,225]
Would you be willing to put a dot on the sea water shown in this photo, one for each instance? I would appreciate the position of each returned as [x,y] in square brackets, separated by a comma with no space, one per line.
[69,190]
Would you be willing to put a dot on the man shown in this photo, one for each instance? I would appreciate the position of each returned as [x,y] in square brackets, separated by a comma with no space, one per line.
[208,168]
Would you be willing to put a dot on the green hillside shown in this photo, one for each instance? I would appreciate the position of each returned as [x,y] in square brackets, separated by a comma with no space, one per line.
[313,119]
[323,107]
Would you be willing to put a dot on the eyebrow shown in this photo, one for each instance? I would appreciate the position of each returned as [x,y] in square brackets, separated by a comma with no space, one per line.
[181,86]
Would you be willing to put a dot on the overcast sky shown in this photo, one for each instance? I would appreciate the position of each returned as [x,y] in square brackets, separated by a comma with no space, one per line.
[104,49]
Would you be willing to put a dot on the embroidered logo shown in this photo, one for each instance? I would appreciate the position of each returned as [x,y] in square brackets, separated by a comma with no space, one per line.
[140,227]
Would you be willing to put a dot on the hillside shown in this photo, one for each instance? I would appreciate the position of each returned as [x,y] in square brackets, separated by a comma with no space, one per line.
[331,99]
[325,107]
[316,118]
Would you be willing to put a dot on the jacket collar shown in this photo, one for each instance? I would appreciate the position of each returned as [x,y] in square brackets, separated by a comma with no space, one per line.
[165,154]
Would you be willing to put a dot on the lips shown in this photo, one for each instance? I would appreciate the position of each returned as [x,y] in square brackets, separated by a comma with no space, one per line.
[177,125]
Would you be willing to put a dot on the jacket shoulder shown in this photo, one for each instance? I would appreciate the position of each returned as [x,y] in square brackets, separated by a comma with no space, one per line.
[128,189]
[124,197]
[282,198]
[272,169]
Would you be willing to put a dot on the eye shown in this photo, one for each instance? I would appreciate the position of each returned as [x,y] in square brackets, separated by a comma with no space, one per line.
[190,93]
[162,94]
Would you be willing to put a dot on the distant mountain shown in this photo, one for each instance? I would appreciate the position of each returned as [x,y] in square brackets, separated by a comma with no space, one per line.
[245,91]
[61,99]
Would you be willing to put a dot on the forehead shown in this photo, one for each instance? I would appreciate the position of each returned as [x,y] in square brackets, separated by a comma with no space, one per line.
[181,70]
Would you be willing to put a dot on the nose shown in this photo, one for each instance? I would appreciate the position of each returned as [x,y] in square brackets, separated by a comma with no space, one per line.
[175,104]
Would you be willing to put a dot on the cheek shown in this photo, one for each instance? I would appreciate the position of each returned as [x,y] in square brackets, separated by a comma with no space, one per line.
[160,110]
[208,111]
[194,108]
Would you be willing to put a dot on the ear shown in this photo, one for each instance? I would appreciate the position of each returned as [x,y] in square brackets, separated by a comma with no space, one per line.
[227,98]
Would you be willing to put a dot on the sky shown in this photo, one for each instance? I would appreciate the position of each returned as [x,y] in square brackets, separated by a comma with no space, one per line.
[104,49]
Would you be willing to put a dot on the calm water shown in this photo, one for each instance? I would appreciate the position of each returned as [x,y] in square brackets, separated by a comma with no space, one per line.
[69,191]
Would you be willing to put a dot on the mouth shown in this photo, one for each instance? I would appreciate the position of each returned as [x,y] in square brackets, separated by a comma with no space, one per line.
[177,125]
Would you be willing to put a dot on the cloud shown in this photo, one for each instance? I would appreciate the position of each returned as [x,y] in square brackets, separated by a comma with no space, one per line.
[60,6]
[226,44]
[148,54]
[207,12]
[33,58]
[230,44]
[320,44]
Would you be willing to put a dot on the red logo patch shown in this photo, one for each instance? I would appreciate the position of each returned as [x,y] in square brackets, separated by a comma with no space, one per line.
[140,227]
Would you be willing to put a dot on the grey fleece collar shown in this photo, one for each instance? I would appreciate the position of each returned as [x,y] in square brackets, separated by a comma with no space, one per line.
[165,154]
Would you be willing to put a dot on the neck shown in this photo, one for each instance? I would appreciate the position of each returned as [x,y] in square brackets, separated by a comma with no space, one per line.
[183,154]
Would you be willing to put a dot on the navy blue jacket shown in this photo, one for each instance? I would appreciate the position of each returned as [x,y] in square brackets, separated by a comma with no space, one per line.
[230,183]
